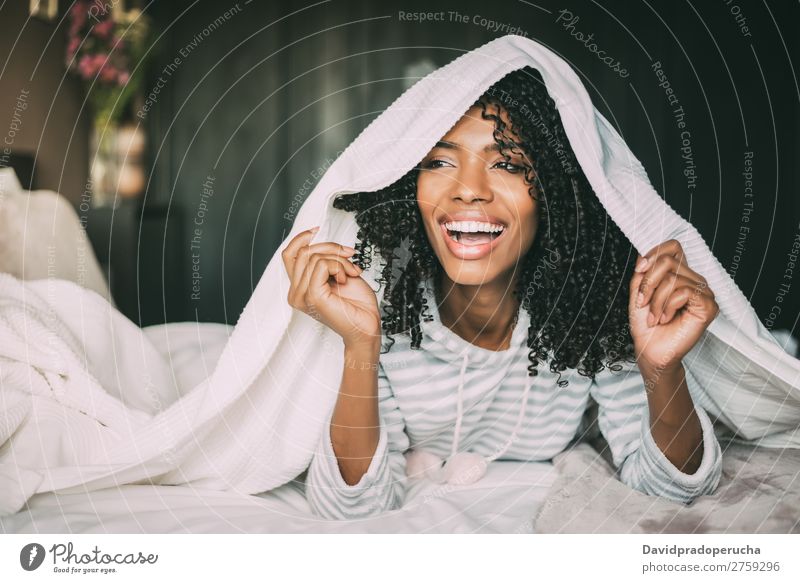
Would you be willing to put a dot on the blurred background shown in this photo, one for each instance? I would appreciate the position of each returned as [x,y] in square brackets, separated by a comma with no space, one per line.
[186,134]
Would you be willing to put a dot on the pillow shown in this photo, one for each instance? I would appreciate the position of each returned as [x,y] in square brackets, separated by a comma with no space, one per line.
[41,236]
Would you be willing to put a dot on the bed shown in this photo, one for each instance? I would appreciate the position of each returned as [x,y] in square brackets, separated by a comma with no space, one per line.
[575,493]
[759,492]
[506,501]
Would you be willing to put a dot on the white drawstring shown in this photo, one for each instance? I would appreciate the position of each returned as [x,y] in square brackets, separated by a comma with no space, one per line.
[522,409]
[460,404]
[461,467]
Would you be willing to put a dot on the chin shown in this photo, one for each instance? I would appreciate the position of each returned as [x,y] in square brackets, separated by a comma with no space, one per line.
[471,273]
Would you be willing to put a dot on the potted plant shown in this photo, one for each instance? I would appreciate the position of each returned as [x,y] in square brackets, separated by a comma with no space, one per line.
[106,49]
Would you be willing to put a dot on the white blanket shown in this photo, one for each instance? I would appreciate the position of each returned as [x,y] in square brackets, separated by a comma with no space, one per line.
[505,500]
[88,400]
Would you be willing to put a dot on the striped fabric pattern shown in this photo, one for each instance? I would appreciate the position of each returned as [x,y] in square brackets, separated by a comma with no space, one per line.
[417,404]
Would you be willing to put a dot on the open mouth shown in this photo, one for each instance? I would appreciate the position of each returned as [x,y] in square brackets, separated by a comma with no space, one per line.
[472,240]
[473,232]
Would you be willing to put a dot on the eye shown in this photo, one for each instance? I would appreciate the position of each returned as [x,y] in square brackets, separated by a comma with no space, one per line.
[510,167]
[435,163]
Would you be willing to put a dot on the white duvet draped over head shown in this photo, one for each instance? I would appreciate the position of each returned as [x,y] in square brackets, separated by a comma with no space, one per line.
[93,403]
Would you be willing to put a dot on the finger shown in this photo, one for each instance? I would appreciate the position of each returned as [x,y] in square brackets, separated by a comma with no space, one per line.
[700,297]
[350,268]
[300,275]
[290,256]
[662,266]
[676,301]
[328,247]
[347,268]
[633,291]
[663,292]
[693,298]
[652,276]
[671,247]
[318,287]
[305,253]
[289,253]
[299,272]
[331,247]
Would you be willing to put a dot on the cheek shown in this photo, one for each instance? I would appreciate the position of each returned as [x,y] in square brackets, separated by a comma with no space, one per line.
[424,192]
[427,207]
[429,193]
[428,185]
[520,204]
[527,214]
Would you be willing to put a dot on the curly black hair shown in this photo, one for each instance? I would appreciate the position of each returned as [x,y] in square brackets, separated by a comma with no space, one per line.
[574,280]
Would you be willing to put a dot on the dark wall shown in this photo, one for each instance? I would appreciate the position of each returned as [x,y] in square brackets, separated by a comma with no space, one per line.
[261,104]
[42,112]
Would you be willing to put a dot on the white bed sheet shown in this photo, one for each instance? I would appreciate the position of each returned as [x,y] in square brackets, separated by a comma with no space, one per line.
[505,501]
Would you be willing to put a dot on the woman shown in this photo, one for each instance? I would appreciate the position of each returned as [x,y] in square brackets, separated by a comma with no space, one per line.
[498,257]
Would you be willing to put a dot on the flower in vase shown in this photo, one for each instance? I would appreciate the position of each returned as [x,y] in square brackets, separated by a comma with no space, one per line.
[78,14]
[86,67]
[104,29]
[72,48]
[108,74]
[106,52]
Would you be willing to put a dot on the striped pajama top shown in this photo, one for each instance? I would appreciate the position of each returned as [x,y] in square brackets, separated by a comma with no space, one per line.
[418,407]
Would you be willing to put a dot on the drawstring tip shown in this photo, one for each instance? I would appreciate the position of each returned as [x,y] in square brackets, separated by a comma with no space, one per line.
[465,468]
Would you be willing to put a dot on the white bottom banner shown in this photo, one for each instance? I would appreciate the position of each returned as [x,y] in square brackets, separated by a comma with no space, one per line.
[387,558]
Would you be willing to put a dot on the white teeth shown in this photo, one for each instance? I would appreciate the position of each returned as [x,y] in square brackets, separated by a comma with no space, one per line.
[473,227]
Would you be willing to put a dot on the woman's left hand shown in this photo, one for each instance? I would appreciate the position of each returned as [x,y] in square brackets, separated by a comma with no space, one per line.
[675,308]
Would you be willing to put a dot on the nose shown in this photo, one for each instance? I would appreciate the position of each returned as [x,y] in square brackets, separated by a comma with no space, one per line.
[471,183]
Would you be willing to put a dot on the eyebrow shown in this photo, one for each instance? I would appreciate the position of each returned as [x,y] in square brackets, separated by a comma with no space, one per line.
[494,147]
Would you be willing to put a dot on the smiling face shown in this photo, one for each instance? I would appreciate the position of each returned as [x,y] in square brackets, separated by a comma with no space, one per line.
[478,213]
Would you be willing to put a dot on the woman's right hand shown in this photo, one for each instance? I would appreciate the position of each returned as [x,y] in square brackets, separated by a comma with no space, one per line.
[328,287]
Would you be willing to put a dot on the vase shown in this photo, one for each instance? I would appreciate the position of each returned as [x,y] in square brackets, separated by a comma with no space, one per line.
[117,170]
[103,163]
[130,144]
